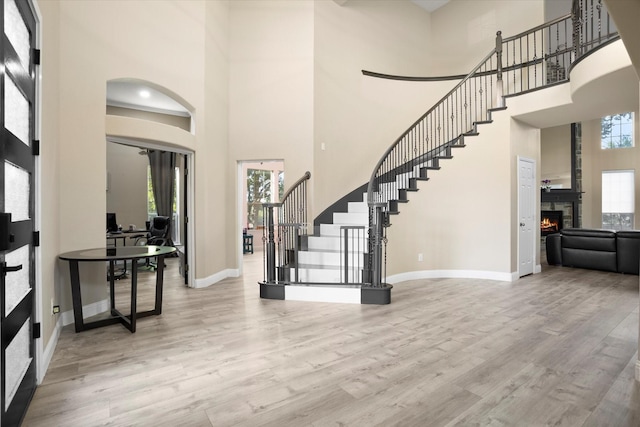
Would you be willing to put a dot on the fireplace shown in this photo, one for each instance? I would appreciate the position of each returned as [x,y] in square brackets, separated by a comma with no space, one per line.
[550,222]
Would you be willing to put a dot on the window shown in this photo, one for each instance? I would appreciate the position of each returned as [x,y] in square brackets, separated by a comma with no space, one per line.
[618,200]
[151,203]
[259,192]
[616,131]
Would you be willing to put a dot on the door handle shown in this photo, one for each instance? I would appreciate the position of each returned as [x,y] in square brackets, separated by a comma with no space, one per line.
[9,269]
[522,224]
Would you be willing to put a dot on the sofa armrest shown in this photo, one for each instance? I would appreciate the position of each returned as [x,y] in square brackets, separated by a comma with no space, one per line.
[554,249]
[628,244]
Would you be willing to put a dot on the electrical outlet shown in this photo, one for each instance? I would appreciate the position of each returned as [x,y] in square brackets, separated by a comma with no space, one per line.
[56,309]
[420,258]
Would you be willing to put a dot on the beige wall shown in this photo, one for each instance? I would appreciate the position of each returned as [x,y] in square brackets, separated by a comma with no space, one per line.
[464,31]
[356,118]
[555,149]
[271,53]
[127,184]
[465,218]
[461,218]
[596,160]
[50,288]
[170,48]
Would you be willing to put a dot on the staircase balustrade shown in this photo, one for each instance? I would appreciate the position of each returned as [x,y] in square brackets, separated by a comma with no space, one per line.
[532,60]
[286,225]
[352,252]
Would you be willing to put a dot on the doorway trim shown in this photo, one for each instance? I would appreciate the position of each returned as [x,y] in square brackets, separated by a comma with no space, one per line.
[189,231]
[535,267]
[241,183]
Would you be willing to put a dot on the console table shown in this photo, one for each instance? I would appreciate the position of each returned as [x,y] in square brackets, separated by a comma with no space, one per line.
[111,255]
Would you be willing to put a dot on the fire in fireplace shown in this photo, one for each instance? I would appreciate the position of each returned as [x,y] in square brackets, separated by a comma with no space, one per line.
[550,222]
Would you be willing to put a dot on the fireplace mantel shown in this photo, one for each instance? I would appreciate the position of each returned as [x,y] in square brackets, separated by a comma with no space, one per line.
[560,196]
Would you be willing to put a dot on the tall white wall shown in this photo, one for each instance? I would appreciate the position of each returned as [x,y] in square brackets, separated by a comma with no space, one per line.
[50,287]
[356,118]
[89,43]
[595,160]
[271,101]
[464,31]
[555,149]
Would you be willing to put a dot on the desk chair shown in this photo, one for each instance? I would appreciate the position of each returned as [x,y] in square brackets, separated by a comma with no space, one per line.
[159,235]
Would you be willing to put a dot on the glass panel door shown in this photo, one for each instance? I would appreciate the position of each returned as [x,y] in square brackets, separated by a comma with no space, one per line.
[17,207]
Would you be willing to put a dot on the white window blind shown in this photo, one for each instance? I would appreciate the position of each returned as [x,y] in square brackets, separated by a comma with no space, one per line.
[617,191]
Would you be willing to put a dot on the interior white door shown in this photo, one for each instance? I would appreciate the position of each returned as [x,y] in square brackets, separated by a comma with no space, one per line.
[526,215]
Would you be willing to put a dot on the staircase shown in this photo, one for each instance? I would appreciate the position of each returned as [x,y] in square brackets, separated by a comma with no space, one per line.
[344,261]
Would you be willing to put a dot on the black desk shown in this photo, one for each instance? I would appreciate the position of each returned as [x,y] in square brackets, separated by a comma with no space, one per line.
[124,235]
[112,255]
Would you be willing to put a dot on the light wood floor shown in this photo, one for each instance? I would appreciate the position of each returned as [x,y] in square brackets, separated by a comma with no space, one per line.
[556,348]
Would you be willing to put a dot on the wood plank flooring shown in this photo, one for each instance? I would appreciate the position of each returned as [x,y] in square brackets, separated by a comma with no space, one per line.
[557,348]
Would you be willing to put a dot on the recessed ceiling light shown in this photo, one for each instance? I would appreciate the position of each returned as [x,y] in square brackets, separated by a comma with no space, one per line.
[144,93]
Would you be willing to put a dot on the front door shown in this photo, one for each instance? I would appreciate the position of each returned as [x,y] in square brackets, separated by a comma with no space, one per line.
[526,215]
[17,208]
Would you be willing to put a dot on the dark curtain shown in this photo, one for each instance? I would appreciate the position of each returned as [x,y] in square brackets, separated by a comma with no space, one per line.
[163,165]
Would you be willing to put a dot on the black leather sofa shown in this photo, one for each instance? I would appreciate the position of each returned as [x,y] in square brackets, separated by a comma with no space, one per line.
[607,250]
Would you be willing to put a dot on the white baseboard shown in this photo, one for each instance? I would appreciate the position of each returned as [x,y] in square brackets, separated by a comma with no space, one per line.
[215,278]
[47,354]
[452,274]
[88,311]
[66,318]
[538,269]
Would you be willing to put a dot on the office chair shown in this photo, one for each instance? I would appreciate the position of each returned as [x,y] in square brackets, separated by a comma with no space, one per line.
[159,235]
[112,224]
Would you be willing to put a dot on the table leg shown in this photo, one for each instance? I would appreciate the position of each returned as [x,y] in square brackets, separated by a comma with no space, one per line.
[76,295]
[112,288]
[134,294]
[159,284]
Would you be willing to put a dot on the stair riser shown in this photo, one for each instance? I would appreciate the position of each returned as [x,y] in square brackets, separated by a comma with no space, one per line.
[358,207]
[351,218]
[333,259]
[331,243]
[322,276]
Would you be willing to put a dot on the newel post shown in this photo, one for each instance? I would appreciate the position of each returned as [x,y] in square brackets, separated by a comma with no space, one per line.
[376,235]
[271,242]
[499,101]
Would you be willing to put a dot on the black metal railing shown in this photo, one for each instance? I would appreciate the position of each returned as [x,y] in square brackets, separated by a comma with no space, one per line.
[352,252]
[285,225]
[528,61]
